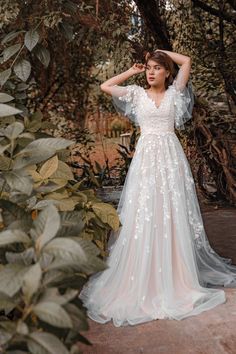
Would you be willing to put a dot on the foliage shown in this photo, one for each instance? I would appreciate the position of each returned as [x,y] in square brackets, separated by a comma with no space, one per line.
[48,224]
[126,154]
[42,269]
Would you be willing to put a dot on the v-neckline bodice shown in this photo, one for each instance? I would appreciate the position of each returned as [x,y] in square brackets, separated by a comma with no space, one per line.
[157,107]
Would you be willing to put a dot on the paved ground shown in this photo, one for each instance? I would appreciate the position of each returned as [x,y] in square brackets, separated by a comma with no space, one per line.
[211,332]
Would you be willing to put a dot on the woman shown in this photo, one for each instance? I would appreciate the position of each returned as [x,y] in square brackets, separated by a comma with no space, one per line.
[161,264]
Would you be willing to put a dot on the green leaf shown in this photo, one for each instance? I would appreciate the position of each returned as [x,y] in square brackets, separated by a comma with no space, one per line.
[66,248]
[11,278]
[10,36]
[45,343]
[107,214]
[31,281]
[42,54]
[6,110]
[22,86]
[4,76]
[31,157]
[10,51]
[22,69]
[49,167]
[53,295]
[31,39]
[26,257]
[72,223]
[78,317]
[35,122]
[46,226]
[19,180]
[53,314]
[13,130]
[63,172]
[48,143]
[62,205]
[6,302]
[4,97]
[8,237]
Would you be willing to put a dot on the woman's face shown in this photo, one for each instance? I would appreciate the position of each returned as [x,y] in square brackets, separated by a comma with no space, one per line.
[155,73]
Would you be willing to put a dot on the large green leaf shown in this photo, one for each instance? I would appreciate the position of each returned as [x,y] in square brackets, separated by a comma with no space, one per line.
[19,180]
[26,257]
[22,69]
[4,97]
[31,281]
[10,51]
[53,314]
[72,223]
[53,295]
[48,143]
[52,278]
[31,39]
[46,226]
[6,110]
[13,236]
[11,278]
[45,343]
[66,248]
[107,214]
[49,167]
[13,130]
[31,157]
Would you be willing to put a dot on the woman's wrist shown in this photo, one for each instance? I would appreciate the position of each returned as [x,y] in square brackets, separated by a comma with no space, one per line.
[176,57]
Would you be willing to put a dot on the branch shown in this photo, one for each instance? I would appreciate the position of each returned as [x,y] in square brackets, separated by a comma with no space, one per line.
[150,13]
[224,15]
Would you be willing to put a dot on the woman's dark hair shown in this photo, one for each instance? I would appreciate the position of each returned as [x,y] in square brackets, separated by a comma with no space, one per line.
[164,60]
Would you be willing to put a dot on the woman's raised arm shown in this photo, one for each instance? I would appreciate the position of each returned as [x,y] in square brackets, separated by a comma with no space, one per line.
[185,68]
[118,79]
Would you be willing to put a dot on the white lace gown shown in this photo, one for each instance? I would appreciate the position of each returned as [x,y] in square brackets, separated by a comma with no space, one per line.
[161,265]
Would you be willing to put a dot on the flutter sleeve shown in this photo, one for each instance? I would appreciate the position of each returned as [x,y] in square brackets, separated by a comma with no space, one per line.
[183,100]
[124,101]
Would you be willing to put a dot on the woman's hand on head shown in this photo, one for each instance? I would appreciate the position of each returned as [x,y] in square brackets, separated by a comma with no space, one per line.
[108,85]
[137,68]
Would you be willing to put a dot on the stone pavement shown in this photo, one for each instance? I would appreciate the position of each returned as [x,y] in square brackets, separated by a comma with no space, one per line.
[211,332]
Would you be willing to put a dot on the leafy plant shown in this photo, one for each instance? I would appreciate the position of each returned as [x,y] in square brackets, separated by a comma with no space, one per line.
[53,237]
[126,154]
[94,175]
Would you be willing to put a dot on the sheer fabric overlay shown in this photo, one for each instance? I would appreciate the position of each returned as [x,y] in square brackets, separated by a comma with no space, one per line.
[160,262]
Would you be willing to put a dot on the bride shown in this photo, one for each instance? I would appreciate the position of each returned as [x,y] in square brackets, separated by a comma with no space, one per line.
[160,263]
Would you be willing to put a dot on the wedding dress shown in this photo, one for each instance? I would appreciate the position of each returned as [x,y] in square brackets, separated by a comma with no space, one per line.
[160,263]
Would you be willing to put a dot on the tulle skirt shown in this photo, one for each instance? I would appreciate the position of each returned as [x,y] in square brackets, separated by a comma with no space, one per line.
[161,265]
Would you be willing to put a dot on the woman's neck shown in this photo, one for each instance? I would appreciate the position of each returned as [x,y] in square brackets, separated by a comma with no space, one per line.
[157,89]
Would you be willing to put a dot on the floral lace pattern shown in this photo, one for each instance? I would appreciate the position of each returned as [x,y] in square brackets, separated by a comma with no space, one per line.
[160,263]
